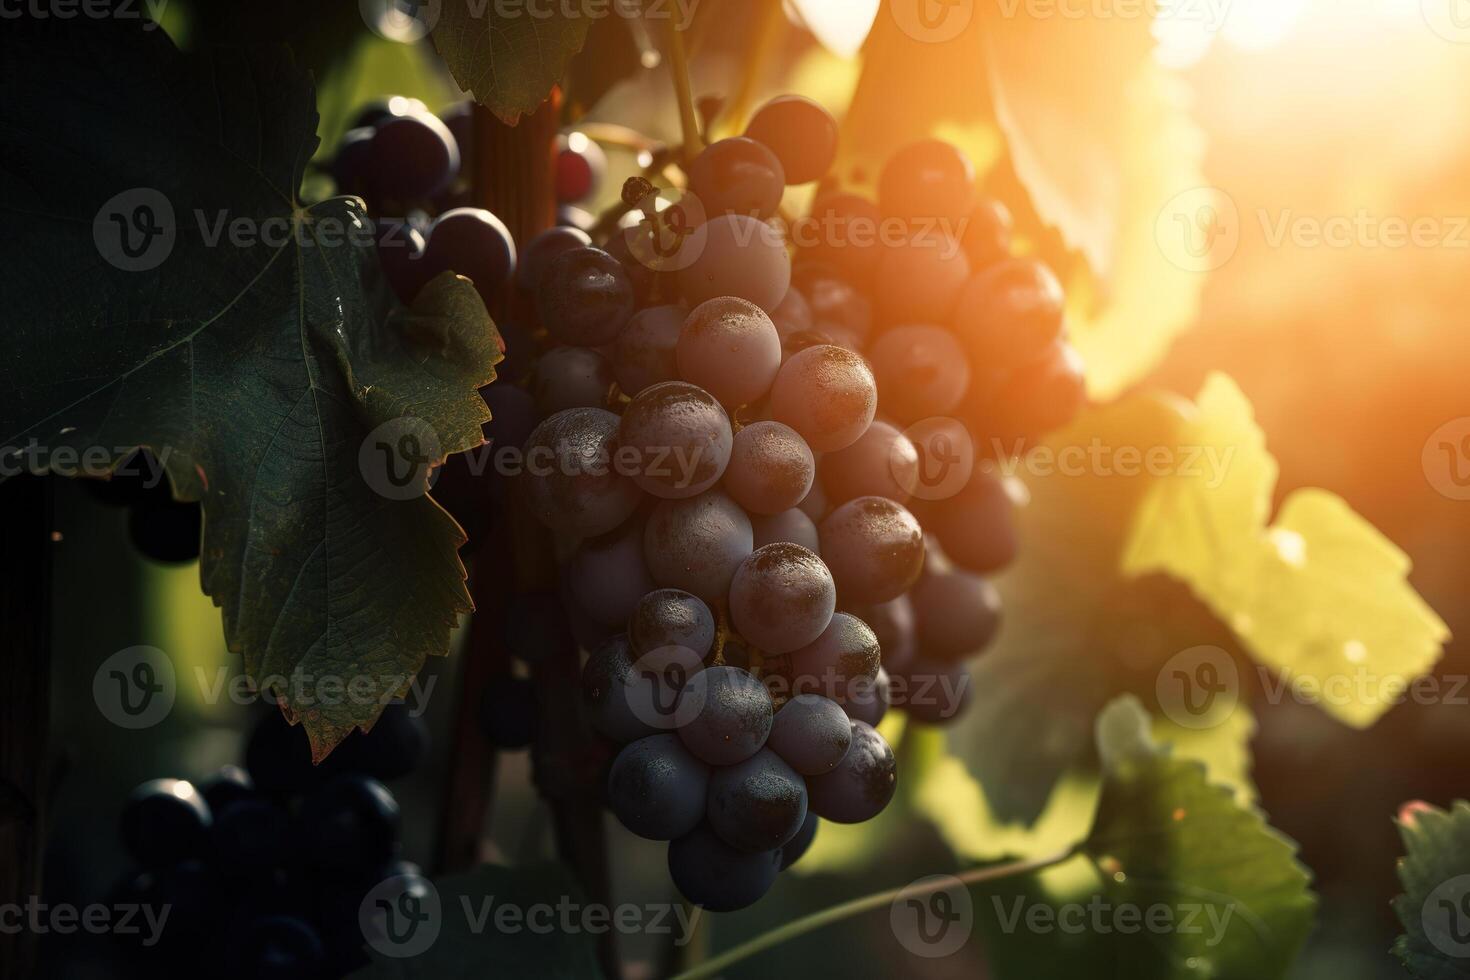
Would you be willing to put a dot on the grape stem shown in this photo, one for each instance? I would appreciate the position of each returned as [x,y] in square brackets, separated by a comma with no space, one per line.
[684,89]
[868,903]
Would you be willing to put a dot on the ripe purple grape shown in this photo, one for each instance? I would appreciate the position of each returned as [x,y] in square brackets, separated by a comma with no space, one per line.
[930,179]
[883,463]
[958,615]
[738,176]
[758,804]
[782,597]
[732,715]
[921,280]
[715,876]
[730,348]
[671,618]
[697,544]
[922,372]
[475,244]
[1010,314]
[584,297]
[571,377]
[811,733]
[679,437]
[828,395]
[735,255]
[861,786]
[838,661]
[771,468]
[791,526]
[413,157]
[657,788]
[607,575]
[542,249]
[644,354]
[569,482]
[975,527]
[801,133]
[874,547]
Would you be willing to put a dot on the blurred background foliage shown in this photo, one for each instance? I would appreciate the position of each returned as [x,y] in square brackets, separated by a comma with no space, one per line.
[1350,357]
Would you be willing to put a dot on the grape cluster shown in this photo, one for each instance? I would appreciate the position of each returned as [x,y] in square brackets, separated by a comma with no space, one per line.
[271,863]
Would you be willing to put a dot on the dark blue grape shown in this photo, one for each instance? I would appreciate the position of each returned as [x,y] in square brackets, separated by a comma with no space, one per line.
[758,804]
[349,824]
[868,701]
[249,839]
[958,615]
[738,175]
[812,733]
[801,133]
[718,877]
[657,788]
[671,618]
[846,654]
[413,157]
[475,244]
[401,255]
[542,249]
[164,822]
[630,696]
[584,297]
[861,786]
[731,715]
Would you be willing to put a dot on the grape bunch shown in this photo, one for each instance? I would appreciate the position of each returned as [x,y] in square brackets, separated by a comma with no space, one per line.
[271,863]
[738,454]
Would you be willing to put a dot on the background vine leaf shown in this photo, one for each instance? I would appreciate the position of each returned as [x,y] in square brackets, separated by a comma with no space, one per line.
[1435,873]
[256,364]
[508,63]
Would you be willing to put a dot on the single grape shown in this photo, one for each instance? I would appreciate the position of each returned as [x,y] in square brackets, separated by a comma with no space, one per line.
[248,839]
[381,110]
[958,615]
[657,788]
[782,597]
[715,876]
[837,306]
[731,715]
[921,280]
[730,348]
[735,255]
[351,823]
[874,547]
[401,256]
[792,850]
[508,712]
[1044,395]
[861,785]
[928,180]
[921,372]
[738,176]
[396,746]
[229,784]
[164,822]
[413,157]
[828,395]
[815,506]
[801,134]
[675,440]
[571,377]
[671,618]
[812,733]
[1010,314]
[794,315]
[352,168]
[976,527]
[697,544]
[584,297]
[569,482]
[838,661]
[475,244]
[933,693]
[581,167]
[844,232]
[883,463]
[791,526]
[868,701]
[771,468]
[644,354]
[987,234]
[166,530]
[607,575]
[542,249]
[758,804]
[629,695]
[894,625]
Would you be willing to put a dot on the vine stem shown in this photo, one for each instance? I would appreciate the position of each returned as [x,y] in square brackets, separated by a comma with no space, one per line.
[769,25]
[867,903]
[684,88]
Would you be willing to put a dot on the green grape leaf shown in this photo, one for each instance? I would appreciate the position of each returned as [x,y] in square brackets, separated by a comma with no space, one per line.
[1165,837]
[1435,906]
[508,60]
[1320,596]
[495,922]
[172,293]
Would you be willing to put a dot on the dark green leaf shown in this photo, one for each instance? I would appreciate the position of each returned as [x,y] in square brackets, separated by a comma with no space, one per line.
[256,366]
[509,62]
[1435,906]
